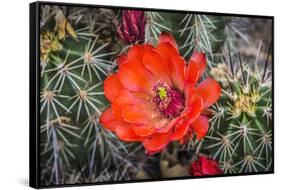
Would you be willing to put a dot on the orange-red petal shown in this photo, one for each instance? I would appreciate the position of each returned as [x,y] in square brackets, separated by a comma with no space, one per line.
[167,50]
[195,68]
[156,142]
[192,73]
[135,52]
[126,133]
[143,130]
[135,115]
[112,87]
[177,68]
[180,130]
[166,37]
[200,127]
[121,59]
[200,59]
[108,120]
[122,129]
[188,93]
[157,65]
[210,91]
[134,77]
[122,99]
[194,110]
[164,125]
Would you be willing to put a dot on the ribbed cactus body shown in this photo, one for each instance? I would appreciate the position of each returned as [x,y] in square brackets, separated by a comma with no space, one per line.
[240,136]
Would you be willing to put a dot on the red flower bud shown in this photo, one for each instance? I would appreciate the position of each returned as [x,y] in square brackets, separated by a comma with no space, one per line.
[132,28]
[205,166]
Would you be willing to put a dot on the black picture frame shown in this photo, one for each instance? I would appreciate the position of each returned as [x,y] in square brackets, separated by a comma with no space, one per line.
[34,92]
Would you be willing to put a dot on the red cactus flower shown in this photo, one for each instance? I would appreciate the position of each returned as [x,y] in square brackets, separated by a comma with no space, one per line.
[205,166]
[132,28]
[154,96]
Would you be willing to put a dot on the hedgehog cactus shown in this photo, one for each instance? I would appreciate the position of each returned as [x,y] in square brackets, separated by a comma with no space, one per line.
[81,47]
[240,136]
[72,100]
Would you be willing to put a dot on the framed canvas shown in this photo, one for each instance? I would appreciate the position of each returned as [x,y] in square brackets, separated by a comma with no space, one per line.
[120,94]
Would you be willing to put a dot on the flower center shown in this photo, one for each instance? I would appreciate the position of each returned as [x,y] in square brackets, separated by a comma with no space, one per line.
[169,101]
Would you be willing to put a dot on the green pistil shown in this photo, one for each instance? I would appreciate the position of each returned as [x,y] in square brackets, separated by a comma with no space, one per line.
[162,92]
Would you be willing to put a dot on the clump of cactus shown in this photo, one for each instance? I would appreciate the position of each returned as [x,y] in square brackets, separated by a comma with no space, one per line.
[81,47]
[74,63]
[240,136]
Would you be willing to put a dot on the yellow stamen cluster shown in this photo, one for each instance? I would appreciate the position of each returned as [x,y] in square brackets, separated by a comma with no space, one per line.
[162,92]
